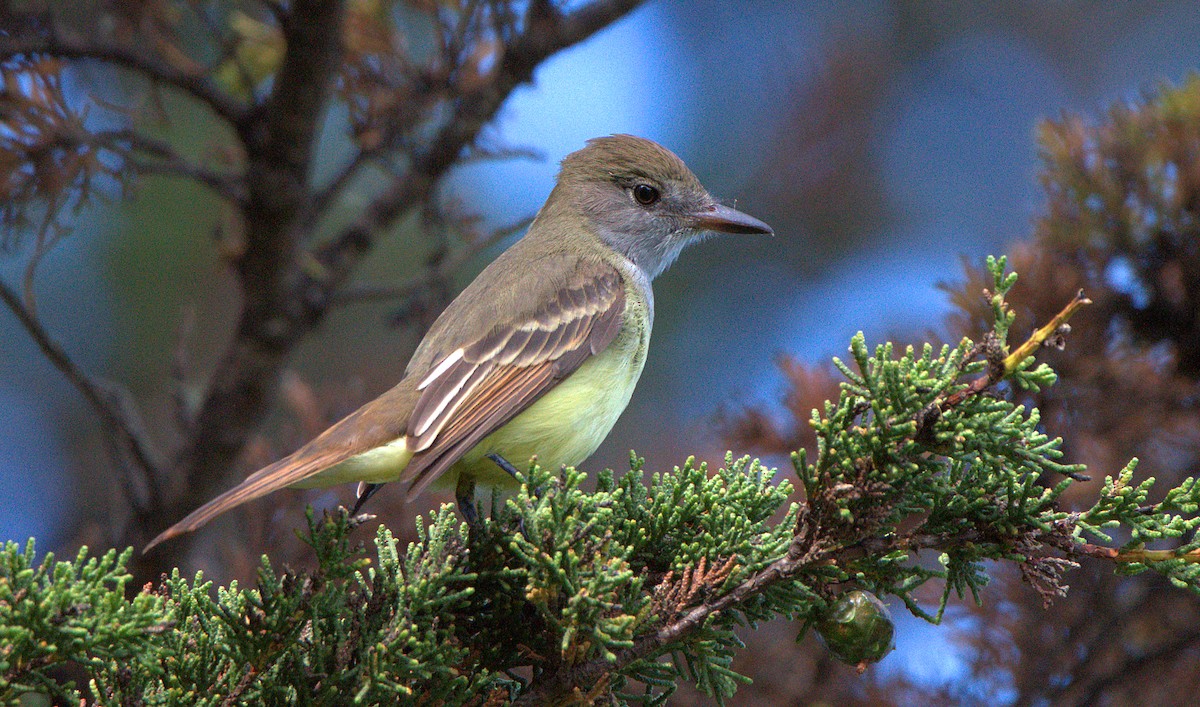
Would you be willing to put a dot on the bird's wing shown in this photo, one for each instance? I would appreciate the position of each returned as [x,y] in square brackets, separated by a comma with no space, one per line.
[477,388]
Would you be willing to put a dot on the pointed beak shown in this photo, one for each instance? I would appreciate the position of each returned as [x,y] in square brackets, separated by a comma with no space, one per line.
[716,217]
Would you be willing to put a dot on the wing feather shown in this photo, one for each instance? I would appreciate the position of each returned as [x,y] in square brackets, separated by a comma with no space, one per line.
[442,395]
[512,366]
[525,385]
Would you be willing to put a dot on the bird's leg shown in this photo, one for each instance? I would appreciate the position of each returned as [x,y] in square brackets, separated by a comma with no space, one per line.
[507,466]
[464,493]
[365,491]
[503,464]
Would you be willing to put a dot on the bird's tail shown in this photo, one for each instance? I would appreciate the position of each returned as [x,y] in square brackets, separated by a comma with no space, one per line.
[285,472]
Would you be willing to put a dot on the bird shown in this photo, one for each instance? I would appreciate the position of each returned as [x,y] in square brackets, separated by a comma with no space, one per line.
[537,357]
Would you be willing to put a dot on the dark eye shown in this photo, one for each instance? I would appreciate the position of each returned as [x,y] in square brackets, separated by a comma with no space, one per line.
[645,194]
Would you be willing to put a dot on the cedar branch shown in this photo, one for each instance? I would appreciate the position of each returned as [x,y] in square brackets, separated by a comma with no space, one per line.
[808,551]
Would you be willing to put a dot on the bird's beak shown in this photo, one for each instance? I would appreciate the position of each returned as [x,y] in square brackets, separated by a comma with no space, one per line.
[715,217]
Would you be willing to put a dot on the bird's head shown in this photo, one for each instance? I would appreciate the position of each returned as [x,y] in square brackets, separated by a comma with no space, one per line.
[642,200]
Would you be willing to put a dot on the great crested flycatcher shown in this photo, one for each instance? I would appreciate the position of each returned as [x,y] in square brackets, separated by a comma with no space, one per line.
[538,356]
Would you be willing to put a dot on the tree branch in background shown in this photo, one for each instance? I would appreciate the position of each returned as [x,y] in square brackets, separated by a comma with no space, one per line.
[279,141]
[113,405]
[147,155]
[133,57]
[546,32]
[436,276]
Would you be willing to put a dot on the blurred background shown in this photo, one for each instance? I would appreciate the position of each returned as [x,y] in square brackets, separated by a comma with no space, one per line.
[884,141]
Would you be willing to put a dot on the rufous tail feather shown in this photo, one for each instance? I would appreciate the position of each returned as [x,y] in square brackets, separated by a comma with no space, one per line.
[283,473]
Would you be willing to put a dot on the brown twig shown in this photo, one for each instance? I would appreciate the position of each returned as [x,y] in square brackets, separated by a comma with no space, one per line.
[354,293]
[1139,555]
[1001,368]
[112,404]
[1035,341]
[166,160]
[132,57]
[678,592]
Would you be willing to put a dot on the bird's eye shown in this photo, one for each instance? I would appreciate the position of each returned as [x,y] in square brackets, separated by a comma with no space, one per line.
[645,194]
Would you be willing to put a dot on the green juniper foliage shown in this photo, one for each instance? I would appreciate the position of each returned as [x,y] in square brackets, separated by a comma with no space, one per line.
[619,593]
[57,611]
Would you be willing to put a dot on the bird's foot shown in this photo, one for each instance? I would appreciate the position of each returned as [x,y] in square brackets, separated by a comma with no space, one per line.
[507,466]
[512,471]
[464,494]
[365,491]
[503,463]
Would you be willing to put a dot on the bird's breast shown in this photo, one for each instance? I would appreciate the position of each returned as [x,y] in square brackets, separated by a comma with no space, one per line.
[570,421]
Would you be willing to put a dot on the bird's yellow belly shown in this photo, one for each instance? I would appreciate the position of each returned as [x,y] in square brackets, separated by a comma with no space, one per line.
[566,424]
